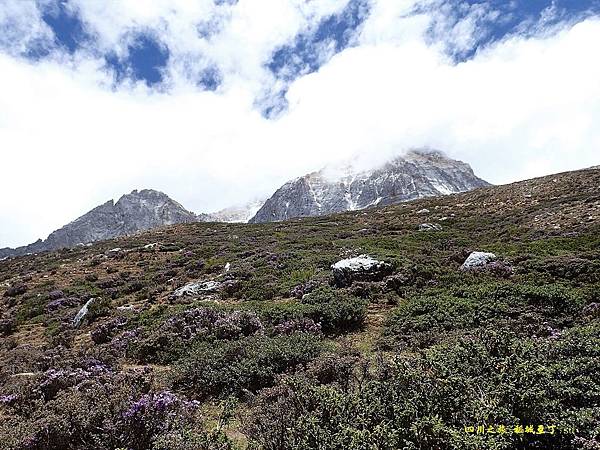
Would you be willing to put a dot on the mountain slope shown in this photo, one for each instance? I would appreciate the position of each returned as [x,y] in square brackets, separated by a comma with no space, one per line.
[253,311]
[137,211]
[418,174]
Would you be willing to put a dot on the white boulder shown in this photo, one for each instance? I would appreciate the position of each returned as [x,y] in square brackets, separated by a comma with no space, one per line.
[82,313]
[477,260]
[198,288]
[430,227]
[360,268]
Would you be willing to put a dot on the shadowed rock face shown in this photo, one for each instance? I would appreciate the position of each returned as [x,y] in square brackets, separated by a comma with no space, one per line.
[140,210]
[418,174]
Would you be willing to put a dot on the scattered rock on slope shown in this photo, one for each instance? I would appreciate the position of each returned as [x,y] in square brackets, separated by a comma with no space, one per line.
[360,268]
[197,288]
[478,260]
[430,227]
[82,313]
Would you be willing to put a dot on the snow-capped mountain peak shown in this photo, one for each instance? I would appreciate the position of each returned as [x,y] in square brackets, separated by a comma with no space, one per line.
[418,173]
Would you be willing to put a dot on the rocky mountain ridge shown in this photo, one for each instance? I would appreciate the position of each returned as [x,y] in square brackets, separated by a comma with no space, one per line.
[137,211]
[417,174]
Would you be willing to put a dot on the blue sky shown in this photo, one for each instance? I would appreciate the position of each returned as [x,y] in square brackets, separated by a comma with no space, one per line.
[219,102]
[143,57]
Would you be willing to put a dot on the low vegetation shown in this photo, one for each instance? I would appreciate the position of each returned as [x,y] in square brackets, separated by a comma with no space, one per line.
[273,355]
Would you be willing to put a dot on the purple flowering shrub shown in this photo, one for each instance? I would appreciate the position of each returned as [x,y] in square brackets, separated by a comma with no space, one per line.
[62,408]
[236,325]
[62,302]
[121,342]
[154,414]
[301,325]
[8,399]
[167,341]
[56,380]
[91,406]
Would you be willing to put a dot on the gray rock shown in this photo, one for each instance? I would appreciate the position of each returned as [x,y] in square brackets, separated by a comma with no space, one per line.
[430,227]
[478,260]
[360,268]
[127,308]
[56,294]
[423,211]
[82,313]
[198,288]
[418,174]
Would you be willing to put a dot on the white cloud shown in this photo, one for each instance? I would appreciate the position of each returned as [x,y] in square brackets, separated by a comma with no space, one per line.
[522,108]
[21,25]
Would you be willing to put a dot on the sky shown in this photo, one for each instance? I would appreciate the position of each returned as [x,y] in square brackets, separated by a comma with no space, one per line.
[219,102]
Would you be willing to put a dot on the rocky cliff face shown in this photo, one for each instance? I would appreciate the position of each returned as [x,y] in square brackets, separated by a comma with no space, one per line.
[140,210]
[418,174]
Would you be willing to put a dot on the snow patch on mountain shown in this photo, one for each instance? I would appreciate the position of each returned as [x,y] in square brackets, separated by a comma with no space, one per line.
[347,187]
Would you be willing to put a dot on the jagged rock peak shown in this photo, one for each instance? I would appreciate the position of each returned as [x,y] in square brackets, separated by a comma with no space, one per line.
[137,211]
[416,174]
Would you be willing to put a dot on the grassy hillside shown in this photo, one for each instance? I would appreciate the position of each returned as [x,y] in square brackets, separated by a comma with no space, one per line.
[276,356]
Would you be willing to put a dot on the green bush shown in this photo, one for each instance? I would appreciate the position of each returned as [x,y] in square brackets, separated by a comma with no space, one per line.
[427,400]
[530,310]
[231,367]
[336,310]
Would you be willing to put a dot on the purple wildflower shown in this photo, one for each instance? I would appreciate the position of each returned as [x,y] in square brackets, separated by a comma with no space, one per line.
[303,325]
[156,403]
[8,399]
